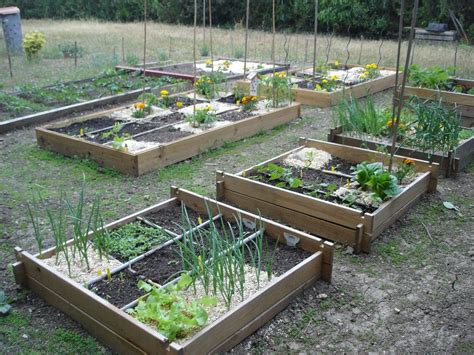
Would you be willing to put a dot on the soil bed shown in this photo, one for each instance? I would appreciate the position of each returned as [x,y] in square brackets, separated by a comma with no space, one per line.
[88,126]
[170,218]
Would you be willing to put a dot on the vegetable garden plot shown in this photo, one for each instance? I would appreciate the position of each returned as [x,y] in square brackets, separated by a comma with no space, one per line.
[33,105]
[214,321]
[333,84]
[149,135]
[463,100]
[313,188]
[231,69]
[458,158]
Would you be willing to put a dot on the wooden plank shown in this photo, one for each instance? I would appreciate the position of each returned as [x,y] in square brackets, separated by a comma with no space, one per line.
[260,320]
[246,311]
[389,208]
[465,153]
[88,321]
[71,146]
[446,96]
[19,273]
[276,159]
[116,320]
[345,216]
[310,224]
[187,147]
[274,229]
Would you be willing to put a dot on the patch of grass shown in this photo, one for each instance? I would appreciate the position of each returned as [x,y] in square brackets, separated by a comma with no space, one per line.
[391,252]
[70,342]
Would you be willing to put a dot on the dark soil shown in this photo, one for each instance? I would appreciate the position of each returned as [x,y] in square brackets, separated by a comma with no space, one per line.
[228,99]
[234,116]
[313,177]
[186,101]
[88,126]
[341,165]
[282,257]
[169,119]
[120,290]
[165,135]
[128,129]
[168,217]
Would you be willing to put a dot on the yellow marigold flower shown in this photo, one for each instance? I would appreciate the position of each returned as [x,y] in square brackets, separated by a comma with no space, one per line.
[408,162]
[238,102]
[318,87]
[254,98]
[333,168]
[208,108]
[334,77]
[179,104]
[164,93]
[81,132]
[324,81]
[366,73]
[337,63]
[208,62]
[139,105]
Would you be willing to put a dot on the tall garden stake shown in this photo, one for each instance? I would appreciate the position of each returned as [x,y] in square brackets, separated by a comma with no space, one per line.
[273,50]
[396,120]
[194,59]
[246,35]
[144,48]
[316,5]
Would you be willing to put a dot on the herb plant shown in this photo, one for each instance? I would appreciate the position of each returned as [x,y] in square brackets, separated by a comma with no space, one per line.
[373,177]
[285,175]
[117,139]
[202,116]
[431,78]
[278,88]
[133,239]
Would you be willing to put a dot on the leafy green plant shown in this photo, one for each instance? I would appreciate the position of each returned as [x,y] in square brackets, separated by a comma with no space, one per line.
[207,85]
[276,172]
[239,53]
[5,308]
[406,168]
[361,117]
[133,239]
[202,116]
[278,88]
[204,50]
[33,42]
[373,177]
[437,127]
[117,139]
[169,312]
[132,59]
[430,78]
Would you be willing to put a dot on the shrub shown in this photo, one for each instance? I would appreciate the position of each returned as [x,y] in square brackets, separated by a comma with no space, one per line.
[33,42]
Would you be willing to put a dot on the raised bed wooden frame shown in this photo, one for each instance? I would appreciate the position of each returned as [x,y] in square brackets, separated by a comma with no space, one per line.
[166,154]
[464,103]
[46,116]
[171,70]
[126,335]
[326,219]
[458,159]
[327,99]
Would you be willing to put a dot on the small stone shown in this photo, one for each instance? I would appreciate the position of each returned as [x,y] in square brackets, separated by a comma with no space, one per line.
[24,336]
[397,311]
[322,296]
[349,250]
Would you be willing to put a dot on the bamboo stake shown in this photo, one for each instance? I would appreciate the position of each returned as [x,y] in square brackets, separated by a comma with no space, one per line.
[210,39]
[273,50]
[144,49]
[194,59]
[75,54]
[246,36]
[316,5]
[203,23]
[404,79]
[455,57]
[123,50]
[305,60]
[360,49]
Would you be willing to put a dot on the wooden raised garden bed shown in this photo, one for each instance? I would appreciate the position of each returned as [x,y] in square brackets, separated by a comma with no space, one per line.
[61,112]
[464,102]
[159,141]
[459,158]
[185,70]
[331,220]
[298,267]
[327,99]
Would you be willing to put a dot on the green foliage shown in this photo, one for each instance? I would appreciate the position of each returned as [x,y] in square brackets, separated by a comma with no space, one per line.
[132,59]
[134,239]
[208,85]
[5,308]
[170,313]
[276,172]
[466,133]
[202,116]
[361,117]
[33,42]
[239,53]
[69,50]
[430,78]
[437,127]
[118,139]
[204,50]
[373,177]
[278,87]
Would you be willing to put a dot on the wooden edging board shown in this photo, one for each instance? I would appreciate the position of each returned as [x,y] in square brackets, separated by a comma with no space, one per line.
[326,219]
[460,157]
[46,116]
[327,99]
[147,160]
[464,103]
[126,335]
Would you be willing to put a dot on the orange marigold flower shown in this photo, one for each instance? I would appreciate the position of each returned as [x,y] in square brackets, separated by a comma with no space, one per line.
[139,105]
[408,162]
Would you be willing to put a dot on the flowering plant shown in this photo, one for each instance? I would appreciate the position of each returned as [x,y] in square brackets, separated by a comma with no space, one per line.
[405,169]
[202,116]
[249,103]
[279,88]
[371,72]
[328,84]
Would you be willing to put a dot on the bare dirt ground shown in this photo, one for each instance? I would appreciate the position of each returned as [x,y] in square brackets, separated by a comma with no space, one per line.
[413,293]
